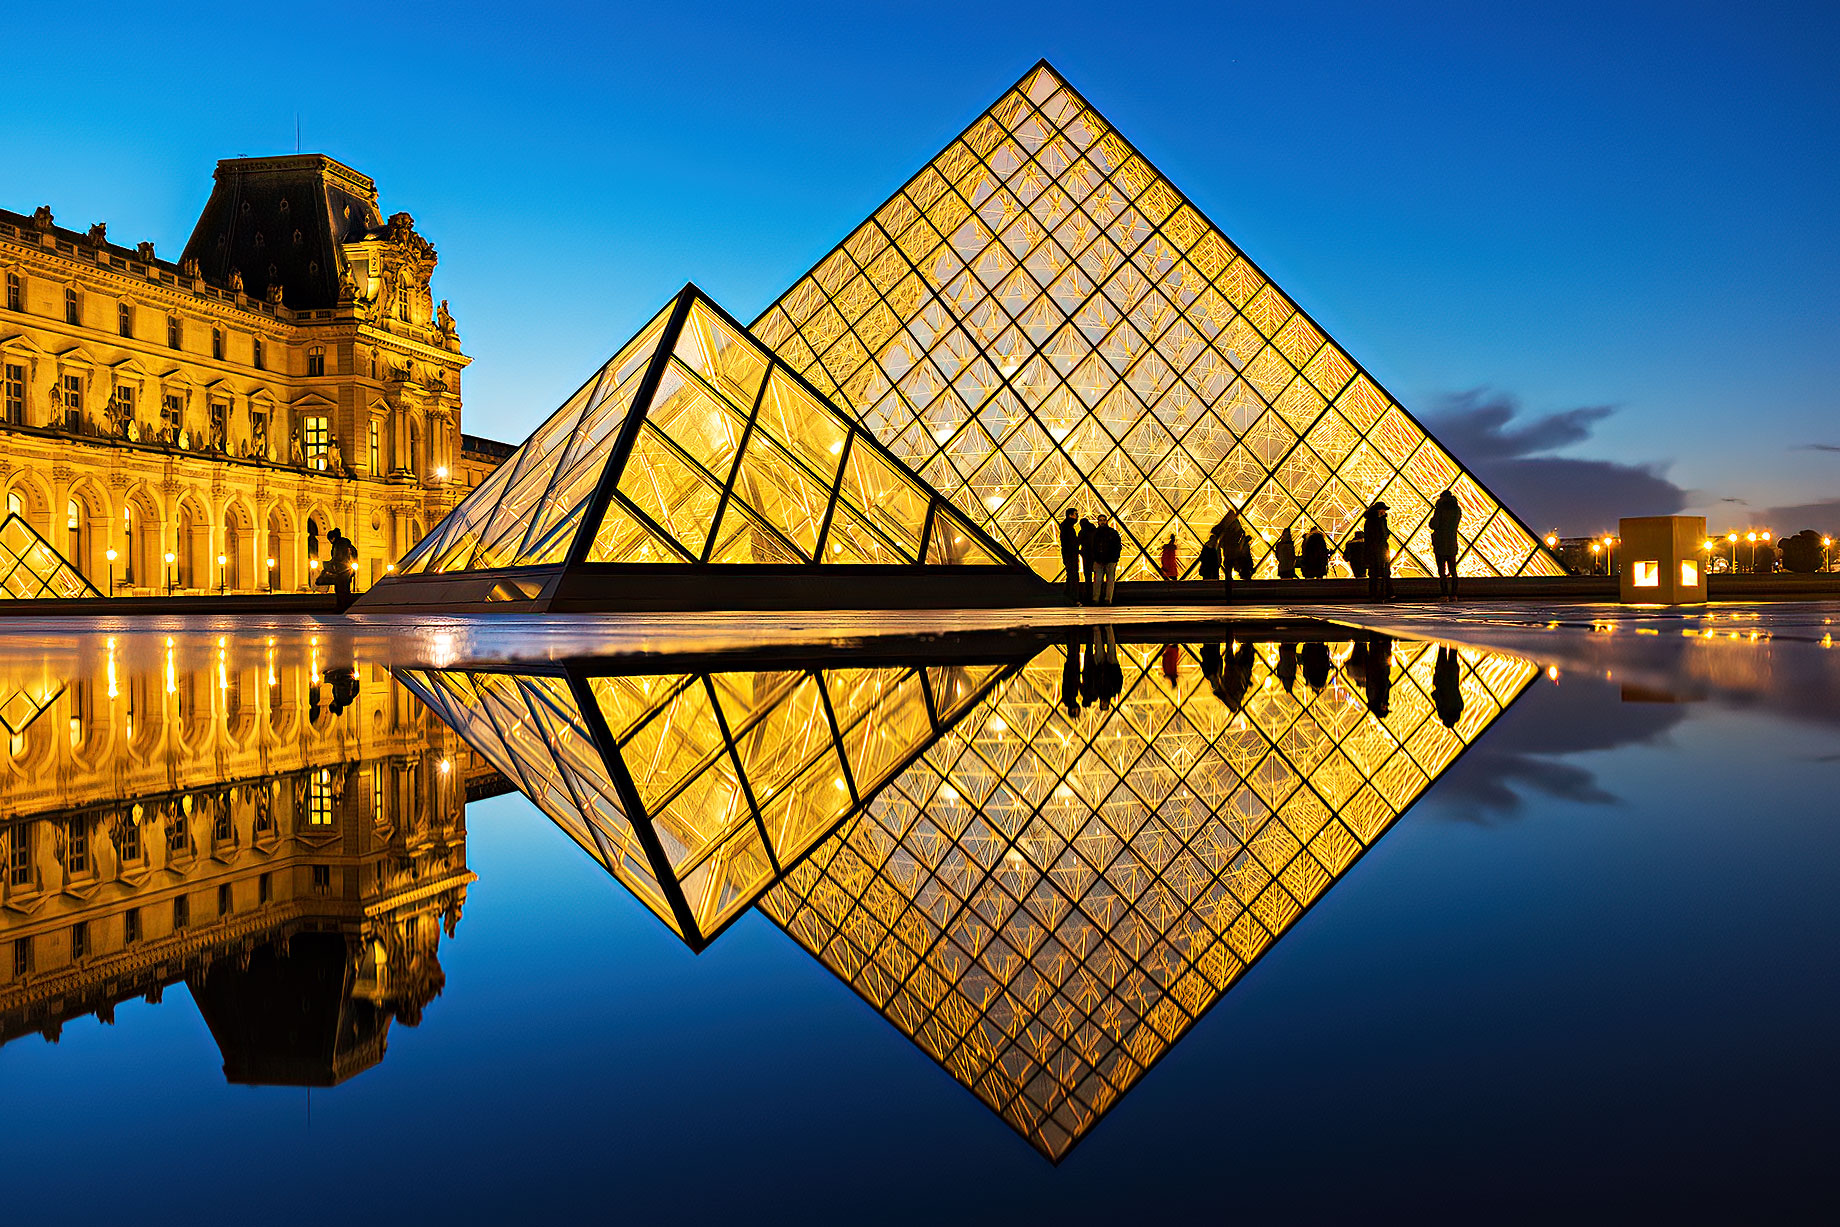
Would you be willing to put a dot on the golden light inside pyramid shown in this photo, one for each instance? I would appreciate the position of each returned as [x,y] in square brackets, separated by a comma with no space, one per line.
[1039,319]
[694,444]
[696,790]
[30,568]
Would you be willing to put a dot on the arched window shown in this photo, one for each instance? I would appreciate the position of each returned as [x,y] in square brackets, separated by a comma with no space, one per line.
[124,319]
[316,360]
[14,505]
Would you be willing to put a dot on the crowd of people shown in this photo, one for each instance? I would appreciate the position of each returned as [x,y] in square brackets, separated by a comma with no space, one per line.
[1090,550]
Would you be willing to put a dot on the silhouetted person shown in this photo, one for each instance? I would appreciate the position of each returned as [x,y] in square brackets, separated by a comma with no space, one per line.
[1070,672]
[1230,537]
[1107,545]
[1380,675]
[1316,666]
[1446,515]
[1286,668]
[1355,554]
[1235,677]
[341,568]
[1209,563]
[1166,562]
[1210,661]
[1447,687]
[1102,677]
[1070,554]
[1315,560]
[1092,684]
[1172,661]
[1285,551]
[1379,556]
[344,688]
[1085,539]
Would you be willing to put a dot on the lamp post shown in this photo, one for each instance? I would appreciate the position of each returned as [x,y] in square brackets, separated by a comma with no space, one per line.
[1594,548]
[171,583]
[1732,563]
[1827,562]
[1609,555]
[1766,540]
[271,573]
[111,555]
[1751,537]
[220,574]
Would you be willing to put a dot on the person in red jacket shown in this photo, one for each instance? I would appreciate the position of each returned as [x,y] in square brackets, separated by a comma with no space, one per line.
[1168,559]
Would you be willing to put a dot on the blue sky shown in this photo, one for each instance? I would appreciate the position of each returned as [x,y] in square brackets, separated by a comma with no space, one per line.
[1565,206]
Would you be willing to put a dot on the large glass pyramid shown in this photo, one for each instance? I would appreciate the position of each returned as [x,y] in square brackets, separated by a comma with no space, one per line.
[697,789]
[1040,319]
[31,569]
[694,446]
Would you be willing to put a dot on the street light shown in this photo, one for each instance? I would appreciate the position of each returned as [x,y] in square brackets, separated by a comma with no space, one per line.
[220,574]
[111,555]
[271,573]
[1732,563]
[1752,538]
[1609,555]
[1827,543]
[1594,548]
[171,583]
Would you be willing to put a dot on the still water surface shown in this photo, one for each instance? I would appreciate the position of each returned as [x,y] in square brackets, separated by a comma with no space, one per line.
[1271,919]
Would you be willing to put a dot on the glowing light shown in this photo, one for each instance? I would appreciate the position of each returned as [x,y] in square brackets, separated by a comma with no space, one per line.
[836,447]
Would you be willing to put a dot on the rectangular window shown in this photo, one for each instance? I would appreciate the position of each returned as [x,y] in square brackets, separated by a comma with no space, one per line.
[376,447]
[259,356]
[73,401]
[15,293]
[131,926]
[220,424]
[223,899]
[121,403]
[19,860]
[124,319]
[182,912]
[322,879]
[172,413]
[315,437]
[258,432]
[265,889]
[15,393]
[79,939]
[73,307]
[76,848]
[22,956]
[319,799]
[173,332]
[129,842]
[217,344]
[316,360]
[175,835]
[221,830]
[1689,574]
[1648,575]
[377,795]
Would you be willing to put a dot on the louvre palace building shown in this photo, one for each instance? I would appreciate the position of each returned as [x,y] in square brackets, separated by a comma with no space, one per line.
[201,424]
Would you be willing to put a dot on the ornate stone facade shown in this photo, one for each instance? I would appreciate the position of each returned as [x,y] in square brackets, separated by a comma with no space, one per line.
[208,421]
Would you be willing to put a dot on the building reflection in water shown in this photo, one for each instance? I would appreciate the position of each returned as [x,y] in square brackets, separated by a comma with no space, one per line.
[287,838]
[1042,865]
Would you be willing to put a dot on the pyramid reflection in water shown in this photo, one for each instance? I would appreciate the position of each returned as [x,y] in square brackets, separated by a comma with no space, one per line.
[1043,881]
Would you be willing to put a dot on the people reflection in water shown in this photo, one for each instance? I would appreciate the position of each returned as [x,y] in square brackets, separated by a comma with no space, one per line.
[1172,660]
[1231,677]
[1286,668]
[1070,674]
[1316,666]
[1102,679]
[1376,659]
[344,684]
[1447,687]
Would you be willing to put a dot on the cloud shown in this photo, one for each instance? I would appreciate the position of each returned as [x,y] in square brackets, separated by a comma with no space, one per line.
[1823,516]
[1480,429]
[1742,502]
[1816,447]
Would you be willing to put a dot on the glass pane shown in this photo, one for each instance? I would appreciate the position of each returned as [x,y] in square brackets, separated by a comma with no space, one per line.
[780,493]
[886,497]
[803,425]
[734,365]
[678,498]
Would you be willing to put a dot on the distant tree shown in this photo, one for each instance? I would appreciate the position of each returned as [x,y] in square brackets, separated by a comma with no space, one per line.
[1802,552]
[1763,561]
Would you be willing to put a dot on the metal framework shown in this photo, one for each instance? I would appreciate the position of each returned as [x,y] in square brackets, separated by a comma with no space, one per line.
[695,447]
[30,568]
[1039,319]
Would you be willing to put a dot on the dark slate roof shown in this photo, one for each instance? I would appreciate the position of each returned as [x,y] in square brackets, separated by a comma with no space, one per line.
[259,205]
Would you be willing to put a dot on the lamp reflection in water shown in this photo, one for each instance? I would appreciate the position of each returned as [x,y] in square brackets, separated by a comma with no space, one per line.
[295,866]
[1042,866]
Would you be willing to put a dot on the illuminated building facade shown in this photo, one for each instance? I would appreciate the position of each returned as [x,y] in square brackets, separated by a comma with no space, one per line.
[291,847]
[1038,319]
[289,374]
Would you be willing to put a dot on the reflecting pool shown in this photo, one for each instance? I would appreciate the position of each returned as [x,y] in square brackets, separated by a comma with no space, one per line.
[1513,916]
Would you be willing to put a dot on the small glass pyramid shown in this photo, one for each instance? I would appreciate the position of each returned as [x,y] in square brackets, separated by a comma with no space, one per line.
[1039,319]
[696,446]
[30,568]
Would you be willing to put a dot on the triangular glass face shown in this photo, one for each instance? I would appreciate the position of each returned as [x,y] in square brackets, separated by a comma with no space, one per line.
[696,445]
[1050,897]
[1039,319]
[30,569]
[728,776]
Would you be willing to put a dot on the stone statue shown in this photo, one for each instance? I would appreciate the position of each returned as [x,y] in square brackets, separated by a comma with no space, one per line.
[445,318]
[144,251]
[274,292]
[41,218]
[294,453]
[188,267]
[236,281]
[98,235]
[334,461]
[348,287]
